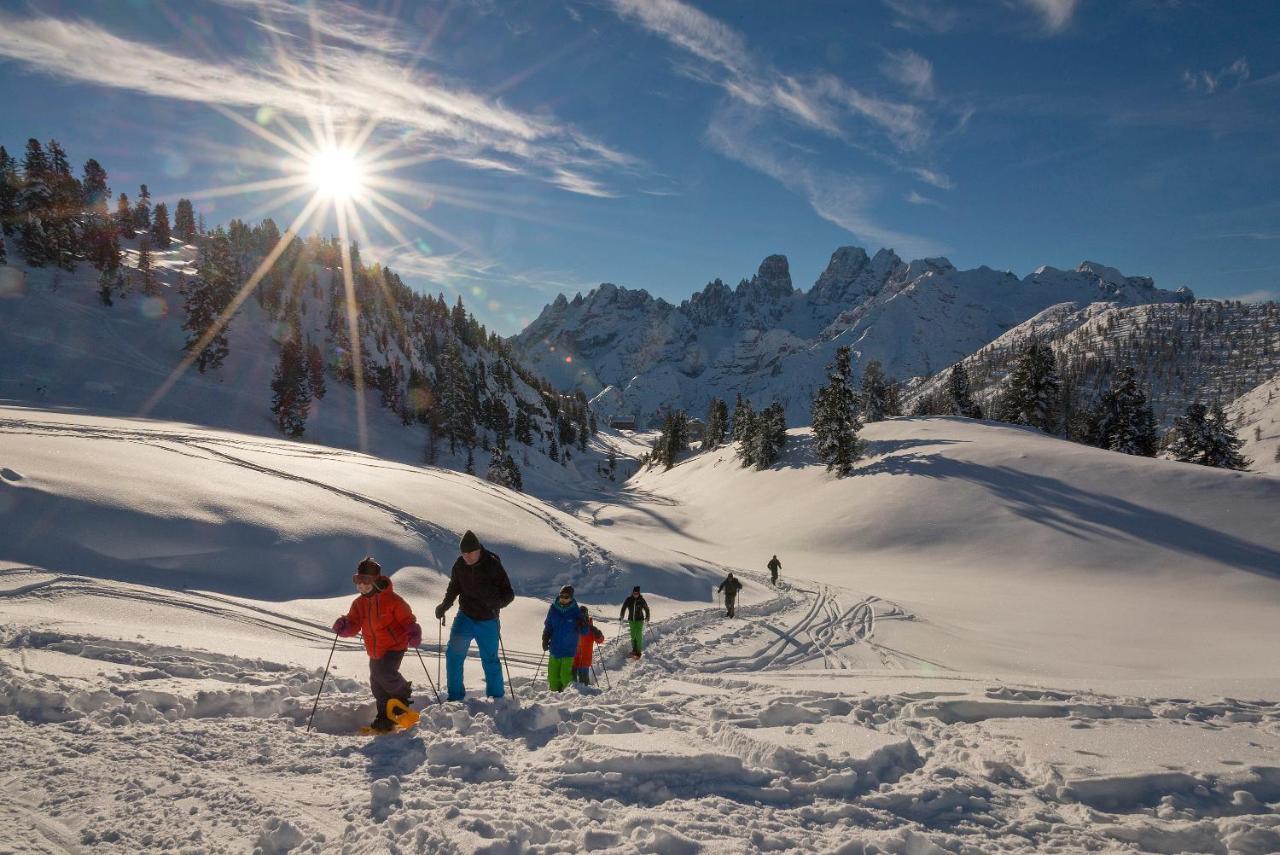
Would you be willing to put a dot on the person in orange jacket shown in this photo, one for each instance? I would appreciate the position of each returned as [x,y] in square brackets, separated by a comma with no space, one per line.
[582,659]
[385,621]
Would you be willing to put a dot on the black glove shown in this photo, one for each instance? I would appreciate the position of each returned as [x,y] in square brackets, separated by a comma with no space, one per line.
[546,641]
[440,610]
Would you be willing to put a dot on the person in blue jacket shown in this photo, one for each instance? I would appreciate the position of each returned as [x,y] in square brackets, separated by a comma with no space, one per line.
[560,634]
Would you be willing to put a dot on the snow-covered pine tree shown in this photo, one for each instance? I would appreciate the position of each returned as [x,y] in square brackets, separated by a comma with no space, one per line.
[184,221]
[835,417]
[717,424]
[768,436]
[208,296]
[553,451]
[470,467]
[1123,420]
[1203,436]
[459,422]
[1034,393]
[874,393]
[291,397]
[958,394]
[35,208]
[62,225]
[503,469]
[673,441]
[9,186]
[160,231]
[142,210]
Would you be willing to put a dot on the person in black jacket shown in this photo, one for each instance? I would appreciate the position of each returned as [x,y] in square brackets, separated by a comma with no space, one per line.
[479,581]
[731,586]
[774,566]
[636,612]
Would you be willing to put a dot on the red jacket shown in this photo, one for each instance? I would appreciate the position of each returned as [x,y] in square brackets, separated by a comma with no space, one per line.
[383,618]
[582,659]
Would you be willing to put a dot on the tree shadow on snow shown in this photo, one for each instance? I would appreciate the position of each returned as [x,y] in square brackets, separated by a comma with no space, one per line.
[1083,514]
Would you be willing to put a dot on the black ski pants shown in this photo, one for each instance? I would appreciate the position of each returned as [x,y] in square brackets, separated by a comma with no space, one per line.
[729,600]
[386,681]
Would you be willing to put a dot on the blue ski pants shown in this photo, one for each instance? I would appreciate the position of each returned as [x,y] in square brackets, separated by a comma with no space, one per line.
[485,633]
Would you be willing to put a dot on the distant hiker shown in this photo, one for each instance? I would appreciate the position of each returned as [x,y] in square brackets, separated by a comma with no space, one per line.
[560,634]
[586,646]
[480,583]
[730,586]
[389,628]
[636,612]
[774,566]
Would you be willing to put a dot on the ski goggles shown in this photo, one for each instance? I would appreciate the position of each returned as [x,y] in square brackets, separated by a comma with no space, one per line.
[363,579]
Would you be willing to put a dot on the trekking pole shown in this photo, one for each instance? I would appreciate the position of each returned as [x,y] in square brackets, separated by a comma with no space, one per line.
[428,673]
[605,669]
[503,647]
[439,649]
[321,689]
[536,671]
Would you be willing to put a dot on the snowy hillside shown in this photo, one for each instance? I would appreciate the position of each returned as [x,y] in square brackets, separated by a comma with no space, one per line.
[1182,352]
[769,341]
[986,639]
[64,348]
[1256,417]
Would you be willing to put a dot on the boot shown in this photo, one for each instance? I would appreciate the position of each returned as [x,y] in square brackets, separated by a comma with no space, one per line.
[382,724]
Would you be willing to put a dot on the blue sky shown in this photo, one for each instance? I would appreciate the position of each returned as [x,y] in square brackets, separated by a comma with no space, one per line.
[545,147]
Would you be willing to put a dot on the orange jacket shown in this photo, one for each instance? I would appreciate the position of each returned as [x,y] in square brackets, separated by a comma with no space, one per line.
[383,619]
[582,659]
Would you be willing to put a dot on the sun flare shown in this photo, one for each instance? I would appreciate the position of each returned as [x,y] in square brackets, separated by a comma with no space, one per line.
[336,174]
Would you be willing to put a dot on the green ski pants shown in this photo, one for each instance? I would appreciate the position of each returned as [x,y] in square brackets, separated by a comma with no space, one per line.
[637,636]
[559,672]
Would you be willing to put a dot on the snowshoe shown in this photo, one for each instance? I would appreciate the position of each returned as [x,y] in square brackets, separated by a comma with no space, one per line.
[400,713]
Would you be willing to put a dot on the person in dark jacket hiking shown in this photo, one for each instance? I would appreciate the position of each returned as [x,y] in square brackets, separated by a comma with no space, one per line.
[385,621]
[635,611]
[586,646]
[560,634]
[774,566]
[730,586]
[480,583]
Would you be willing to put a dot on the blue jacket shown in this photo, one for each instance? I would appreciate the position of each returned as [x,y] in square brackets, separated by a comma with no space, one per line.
[563,626]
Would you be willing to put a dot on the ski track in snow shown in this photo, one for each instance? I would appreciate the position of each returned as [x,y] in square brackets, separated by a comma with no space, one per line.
[692,749]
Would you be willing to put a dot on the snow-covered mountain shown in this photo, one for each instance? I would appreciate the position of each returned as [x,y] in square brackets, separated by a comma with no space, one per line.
[768,340]
[1203,350]
[1256,417]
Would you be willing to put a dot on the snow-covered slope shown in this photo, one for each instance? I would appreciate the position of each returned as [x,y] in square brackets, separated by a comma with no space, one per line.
[769,341]
[986,640]
[1204,350]
[1256,417]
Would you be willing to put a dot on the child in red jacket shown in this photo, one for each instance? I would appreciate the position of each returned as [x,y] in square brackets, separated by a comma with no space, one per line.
[582,659]
[389,628]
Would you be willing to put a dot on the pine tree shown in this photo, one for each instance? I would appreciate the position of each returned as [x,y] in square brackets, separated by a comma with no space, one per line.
[146,272]
[503,469]
[1203,436]
[291,397]
[102,246]
[35,208]
[874,394]
[835,418]
[470,467]
[554,450]
[142,210]
[1034,394]
[672,441]
[742,418]
[208,296]
[459,421]
[160,226]
[315,371]
[62,225]
[184,221]
[717,424]
[4,256]
[124,216]
[9,187]
[959,396]
[768,436]
[1123,420]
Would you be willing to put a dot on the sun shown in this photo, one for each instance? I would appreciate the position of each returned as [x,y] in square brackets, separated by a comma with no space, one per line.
[336,173]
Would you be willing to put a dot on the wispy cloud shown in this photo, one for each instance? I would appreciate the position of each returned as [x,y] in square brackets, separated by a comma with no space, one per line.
[1207,82]
[936,179]
[916,199]
[1261,295]
[911,70]
[937,16]
[344,81]
[1055,15]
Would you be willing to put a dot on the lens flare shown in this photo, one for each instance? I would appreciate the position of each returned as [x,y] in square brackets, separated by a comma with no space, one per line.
[336,174]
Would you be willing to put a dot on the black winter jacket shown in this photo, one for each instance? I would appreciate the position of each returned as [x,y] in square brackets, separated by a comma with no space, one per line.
[731,586]
[482,588]
[634,608]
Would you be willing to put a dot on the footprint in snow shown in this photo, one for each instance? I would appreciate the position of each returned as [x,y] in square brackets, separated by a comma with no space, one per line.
[8,474]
